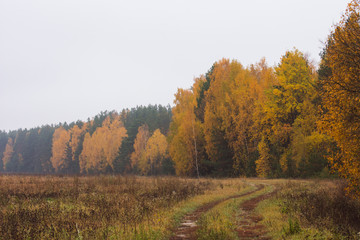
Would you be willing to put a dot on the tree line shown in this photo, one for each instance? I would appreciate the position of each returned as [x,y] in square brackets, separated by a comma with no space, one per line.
[251,121]
[103,144]
[290,120]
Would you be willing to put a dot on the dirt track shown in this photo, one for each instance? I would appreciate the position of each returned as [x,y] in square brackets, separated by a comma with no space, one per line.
[248,227]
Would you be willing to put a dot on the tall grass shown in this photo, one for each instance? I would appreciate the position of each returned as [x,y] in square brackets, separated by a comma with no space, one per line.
[323,205]
[49,207]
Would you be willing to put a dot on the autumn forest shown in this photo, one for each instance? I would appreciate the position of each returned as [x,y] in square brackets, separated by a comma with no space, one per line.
[293,120]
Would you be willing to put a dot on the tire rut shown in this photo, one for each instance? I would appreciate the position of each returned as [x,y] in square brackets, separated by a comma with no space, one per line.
[249,227]
[187,228]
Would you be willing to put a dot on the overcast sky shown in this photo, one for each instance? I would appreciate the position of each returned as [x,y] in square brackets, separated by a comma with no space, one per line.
[68,60]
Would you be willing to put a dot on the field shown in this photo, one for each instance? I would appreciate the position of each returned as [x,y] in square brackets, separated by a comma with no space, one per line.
[127,207]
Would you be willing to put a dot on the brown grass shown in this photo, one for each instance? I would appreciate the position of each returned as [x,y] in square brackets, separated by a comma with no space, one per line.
[50,207]
[323,205]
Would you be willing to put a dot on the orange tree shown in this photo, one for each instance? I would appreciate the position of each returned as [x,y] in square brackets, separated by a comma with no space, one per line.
[340,78]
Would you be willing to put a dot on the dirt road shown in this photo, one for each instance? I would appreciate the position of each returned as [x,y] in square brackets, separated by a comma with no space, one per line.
[247,227]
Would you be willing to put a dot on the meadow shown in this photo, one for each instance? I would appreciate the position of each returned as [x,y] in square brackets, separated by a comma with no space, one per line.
[129,207]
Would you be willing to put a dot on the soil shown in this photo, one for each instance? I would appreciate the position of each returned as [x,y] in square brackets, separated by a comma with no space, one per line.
[187,228]
[248,226]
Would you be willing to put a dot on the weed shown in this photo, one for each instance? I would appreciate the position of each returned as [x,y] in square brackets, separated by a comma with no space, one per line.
[292,228]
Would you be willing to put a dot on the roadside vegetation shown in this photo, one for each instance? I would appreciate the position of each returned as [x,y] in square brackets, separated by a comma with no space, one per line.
[104,207]
[313,209]
[117,207]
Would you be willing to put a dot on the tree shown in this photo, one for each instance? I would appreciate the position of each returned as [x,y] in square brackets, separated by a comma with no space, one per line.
[101,148]
[289,97]
[262,120]
[263,167]
[140,143]
[339,77]
[217,144]
[154,116]
[154,155]
[43,150]
[185,131]
[8,153]
[200,87]
[3,142]
[28,151]
[295,83]
[285,119]
[16,163]
[86,154]
[229,117]
[239,120]
[75,145]
[60,143]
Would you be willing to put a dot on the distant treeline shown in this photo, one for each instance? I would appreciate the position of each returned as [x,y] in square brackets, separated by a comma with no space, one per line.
[291,120]
[233,121]
[101,145]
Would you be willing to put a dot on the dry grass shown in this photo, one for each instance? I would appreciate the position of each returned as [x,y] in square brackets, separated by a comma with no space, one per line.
[115,207]
[323,205]
[49,207]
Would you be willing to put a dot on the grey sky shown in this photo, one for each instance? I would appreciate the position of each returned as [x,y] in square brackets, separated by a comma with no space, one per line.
[70,59]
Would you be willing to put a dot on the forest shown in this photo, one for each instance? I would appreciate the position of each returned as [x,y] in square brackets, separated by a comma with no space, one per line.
[295,119]
[103,144]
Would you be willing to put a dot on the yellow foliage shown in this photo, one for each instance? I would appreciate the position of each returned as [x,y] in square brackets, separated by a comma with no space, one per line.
[263,167]
[101,148]
[181,137]
[76,134]
[8,153]
[230,113]
[341,94]
[285,107]
[219,112]
[155,153]
[61,138]
[140,143]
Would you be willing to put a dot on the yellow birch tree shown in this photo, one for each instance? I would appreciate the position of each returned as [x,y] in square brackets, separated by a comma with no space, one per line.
[140,143]
[8,153]
[60,143]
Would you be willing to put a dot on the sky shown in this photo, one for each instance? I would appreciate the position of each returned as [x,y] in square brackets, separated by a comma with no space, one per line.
[67,60]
